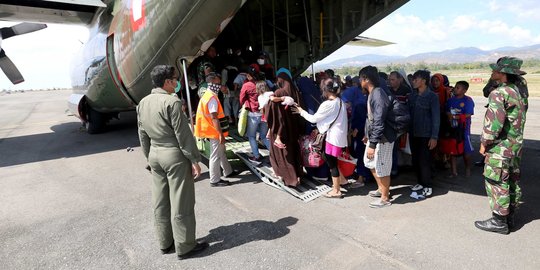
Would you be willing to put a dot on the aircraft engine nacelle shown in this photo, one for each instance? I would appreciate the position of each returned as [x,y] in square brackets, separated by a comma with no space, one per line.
[76,105]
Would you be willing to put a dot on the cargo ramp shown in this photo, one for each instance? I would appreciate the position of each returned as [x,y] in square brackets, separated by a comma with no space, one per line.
[238,147]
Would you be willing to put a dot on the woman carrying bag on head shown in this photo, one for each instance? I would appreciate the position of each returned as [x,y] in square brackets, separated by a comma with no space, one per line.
[331,118]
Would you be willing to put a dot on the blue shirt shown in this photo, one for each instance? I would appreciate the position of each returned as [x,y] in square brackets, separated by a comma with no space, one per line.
[464,105]
[311,97]
[358,101]
[351,94]
[425,116]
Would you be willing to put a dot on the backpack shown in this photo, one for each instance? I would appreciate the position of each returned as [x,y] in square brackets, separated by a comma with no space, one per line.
[399,116]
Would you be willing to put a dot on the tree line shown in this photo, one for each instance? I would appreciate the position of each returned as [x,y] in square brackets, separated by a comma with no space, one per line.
[410,67]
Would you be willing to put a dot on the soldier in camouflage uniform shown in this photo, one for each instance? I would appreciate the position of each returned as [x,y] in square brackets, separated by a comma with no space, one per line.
[502,141]
[204,67]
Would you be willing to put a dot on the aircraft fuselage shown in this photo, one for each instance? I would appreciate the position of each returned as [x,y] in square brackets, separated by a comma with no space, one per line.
[127,39]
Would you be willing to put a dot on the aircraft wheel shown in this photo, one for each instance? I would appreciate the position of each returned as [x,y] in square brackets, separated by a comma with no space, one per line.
[96,121]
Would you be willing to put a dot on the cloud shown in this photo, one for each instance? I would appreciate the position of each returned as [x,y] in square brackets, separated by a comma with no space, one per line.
[494,6]
[514,35]
[522,9]
[463,23]
[414,34]
[411,33]
[409,27]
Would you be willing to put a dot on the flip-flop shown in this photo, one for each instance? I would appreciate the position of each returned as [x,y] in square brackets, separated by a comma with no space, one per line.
[338,196]
[379,204]
[353,185]
[280,145]
[375,194]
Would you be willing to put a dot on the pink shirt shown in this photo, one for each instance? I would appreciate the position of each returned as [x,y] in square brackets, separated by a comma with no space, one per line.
[248,96]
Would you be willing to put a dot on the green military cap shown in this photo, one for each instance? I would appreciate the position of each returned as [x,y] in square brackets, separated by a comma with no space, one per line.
[205,65]
[509,65]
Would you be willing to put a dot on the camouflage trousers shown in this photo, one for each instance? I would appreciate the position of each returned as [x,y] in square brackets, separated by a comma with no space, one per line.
[502,183]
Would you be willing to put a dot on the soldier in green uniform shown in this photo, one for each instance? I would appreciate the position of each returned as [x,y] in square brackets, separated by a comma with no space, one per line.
[168,145]
[206,64]
[501,143]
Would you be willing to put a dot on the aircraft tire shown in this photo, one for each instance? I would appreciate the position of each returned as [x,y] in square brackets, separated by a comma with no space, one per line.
[96,121]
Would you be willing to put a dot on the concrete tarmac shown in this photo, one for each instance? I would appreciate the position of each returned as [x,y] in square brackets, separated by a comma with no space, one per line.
[70,200]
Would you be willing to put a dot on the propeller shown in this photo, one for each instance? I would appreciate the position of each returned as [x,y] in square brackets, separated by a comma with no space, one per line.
[9,68]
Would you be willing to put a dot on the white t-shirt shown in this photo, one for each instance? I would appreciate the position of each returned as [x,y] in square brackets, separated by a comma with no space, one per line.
[325,115]
[264,98]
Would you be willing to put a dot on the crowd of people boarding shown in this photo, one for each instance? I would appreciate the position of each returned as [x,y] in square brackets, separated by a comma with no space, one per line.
[380,120]
[312,125]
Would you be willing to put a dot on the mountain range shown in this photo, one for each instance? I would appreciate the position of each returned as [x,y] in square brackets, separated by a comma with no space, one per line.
[459,55]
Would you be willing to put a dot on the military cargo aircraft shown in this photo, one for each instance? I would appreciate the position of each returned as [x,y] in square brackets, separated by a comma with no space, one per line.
[129,37]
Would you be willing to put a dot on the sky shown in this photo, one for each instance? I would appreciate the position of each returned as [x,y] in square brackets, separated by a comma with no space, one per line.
[426,26]
[419,26]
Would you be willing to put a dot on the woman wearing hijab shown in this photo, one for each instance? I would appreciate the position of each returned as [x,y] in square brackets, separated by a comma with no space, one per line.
[285,161]
[443,92]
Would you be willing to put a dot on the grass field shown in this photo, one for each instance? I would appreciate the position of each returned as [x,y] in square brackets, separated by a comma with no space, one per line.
[475,88]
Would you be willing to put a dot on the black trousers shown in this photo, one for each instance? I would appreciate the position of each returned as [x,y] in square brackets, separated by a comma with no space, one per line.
[332,164]
[422,160]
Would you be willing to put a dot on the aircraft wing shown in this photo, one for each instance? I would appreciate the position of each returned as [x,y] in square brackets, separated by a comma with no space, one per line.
[51,11]
[368,42]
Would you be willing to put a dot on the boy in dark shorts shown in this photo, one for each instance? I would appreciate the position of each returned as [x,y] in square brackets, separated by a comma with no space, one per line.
[459,109]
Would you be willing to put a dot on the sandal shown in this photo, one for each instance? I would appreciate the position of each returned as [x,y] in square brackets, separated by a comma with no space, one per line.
[280,145]
[375,194]
[452,175]
[417,196]
[379,204]
[353,185]
[336,196]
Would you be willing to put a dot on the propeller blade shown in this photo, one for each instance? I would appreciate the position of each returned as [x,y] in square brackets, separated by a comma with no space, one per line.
[21,28]
[10,69]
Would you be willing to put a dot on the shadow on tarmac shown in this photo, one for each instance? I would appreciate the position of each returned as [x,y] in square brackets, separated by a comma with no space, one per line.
[69,140]
[527,213]
[231,236]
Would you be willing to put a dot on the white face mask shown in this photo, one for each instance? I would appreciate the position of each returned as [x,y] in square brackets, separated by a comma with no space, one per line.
[260,61]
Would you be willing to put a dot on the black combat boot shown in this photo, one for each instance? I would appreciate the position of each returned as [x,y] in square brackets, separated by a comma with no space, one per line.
[496,224]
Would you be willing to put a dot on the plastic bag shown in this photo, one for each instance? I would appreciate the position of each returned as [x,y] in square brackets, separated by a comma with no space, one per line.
[242,121]
[405,144]
[346,164]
